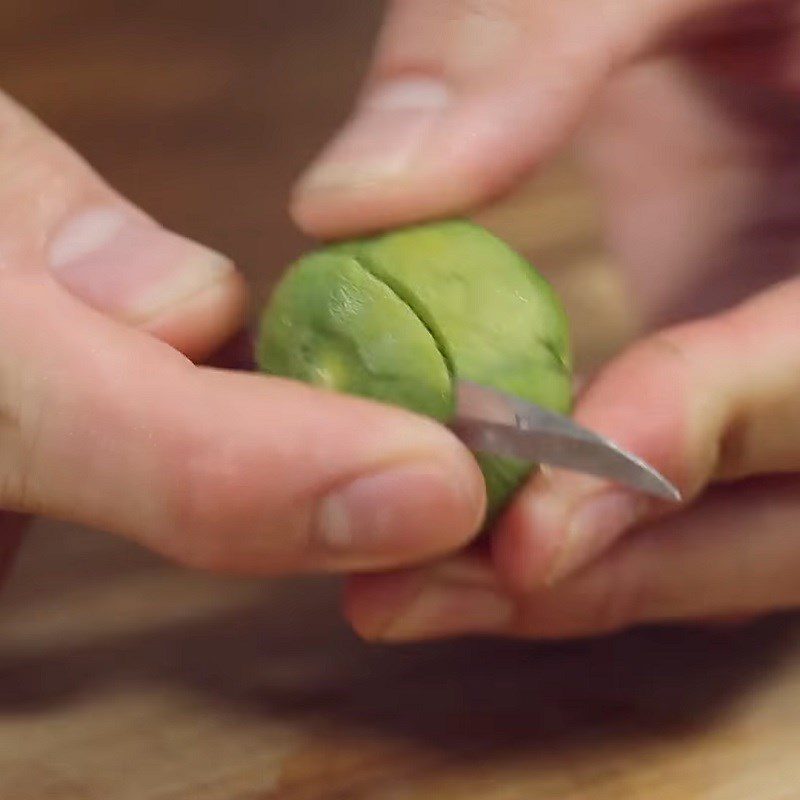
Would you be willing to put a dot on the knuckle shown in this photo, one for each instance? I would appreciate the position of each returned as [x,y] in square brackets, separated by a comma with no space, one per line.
[613,599]
[661,365]
[205,508]
[687,348]
[222,510]
[667,348]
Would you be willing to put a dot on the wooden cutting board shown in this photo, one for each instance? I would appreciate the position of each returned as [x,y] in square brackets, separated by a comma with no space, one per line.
[122,678]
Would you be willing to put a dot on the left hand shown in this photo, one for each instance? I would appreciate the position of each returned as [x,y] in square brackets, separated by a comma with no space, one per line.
[692,144]
[107,421]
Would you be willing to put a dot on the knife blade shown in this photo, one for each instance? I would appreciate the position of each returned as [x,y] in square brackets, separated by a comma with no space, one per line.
[496,423]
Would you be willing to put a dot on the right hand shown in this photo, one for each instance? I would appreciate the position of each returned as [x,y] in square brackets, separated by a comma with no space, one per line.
[103,424]
[687,111]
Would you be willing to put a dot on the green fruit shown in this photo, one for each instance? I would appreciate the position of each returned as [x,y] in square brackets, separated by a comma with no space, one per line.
[397,317]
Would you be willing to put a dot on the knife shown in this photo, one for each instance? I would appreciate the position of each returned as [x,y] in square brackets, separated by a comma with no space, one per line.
[492,422]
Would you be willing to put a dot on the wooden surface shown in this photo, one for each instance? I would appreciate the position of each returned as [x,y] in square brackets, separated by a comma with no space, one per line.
[122,678]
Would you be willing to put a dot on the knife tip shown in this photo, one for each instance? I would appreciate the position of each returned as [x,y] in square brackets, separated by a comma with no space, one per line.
[666,491]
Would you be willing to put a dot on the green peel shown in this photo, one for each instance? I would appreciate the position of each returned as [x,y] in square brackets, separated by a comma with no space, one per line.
[400,317]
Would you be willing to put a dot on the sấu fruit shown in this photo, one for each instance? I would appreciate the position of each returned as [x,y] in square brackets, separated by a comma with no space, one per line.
[398,317]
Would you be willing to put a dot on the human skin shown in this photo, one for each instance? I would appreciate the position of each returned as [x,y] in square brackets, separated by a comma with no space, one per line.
[106,420]
[686,117]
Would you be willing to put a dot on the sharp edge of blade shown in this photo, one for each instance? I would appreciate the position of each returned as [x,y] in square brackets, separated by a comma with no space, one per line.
[536,416]
[619,467]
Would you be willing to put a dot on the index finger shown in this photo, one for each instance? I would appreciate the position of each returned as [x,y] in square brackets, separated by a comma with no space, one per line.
[711,400]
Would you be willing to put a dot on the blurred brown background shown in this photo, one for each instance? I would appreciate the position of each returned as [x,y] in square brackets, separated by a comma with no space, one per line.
[122,677]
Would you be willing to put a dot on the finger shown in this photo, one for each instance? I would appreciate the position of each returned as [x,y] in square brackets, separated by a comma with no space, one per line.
[58,217]
[108,427]
[237,353]
[711,400]
[734,556]
[458,595]
[464,97]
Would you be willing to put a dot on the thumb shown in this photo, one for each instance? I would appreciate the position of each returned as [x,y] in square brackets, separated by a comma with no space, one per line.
[104,426]
[465,96]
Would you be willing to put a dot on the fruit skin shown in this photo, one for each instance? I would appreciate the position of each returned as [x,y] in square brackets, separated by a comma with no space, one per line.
[331,323]
[399,316]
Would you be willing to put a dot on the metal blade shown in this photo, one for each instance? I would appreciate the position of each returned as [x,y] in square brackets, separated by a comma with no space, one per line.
[490,421]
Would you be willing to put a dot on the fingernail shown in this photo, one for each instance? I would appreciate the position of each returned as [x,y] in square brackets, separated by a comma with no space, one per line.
[409,509]
[126,265]
[592,527]
[444,610]
[383,139]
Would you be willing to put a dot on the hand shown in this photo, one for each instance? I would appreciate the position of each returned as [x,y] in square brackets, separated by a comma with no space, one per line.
[687,120]
[104,422]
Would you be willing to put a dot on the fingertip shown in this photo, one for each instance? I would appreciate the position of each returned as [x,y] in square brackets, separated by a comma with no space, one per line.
[199,324]
[397,515]
[529,537]
[374,603]
[453,598]
[472,152]
[362,178]
[360,208]
[370,603]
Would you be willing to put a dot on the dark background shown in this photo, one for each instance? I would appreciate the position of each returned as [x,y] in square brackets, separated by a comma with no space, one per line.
[200,112]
